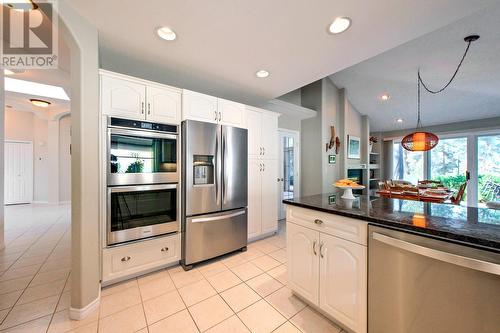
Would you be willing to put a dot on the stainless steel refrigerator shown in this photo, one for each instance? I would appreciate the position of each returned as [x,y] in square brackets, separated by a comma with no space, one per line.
[214,190]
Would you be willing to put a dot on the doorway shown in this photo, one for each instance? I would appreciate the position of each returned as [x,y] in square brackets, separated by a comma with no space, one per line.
[18,172]
[289,162]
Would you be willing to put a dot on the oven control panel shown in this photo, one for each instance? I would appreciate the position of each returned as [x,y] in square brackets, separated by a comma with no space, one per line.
[144,125]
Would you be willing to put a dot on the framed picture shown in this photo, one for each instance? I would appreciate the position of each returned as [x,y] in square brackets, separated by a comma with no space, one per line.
[353,147]
[332,159]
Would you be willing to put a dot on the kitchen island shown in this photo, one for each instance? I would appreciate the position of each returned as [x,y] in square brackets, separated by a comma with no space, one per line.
[395,262]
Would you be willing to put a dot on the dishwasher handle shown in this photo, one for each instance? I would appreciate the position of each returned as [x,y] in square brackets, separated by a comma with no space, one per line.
[476,264]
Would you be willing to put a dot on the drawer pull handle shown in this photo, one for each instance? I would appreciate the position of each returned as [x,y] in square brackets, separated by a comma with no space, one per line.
[125,259]
[321,250]
[314,249]
[317,221]
[165,249]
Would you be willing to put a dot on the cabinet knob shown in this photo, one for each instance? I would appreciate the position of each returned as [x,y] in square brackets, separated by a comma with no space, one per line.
[165,249]
[317,221]
[125,259]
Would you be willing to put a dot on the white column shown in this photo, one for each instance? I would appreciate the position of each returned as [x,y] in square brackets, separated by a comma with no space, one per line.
[472,184]
[53,160]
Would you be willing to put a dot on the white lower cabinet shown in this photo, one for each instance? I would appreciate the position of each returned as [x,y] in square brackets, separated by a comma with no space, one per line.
[343,281]
[302,261]
[135,258]
[329,272]
[262,197]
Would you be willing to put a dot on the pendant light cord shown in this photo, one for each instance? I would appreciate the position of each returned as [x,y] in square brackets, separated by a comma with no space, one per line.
[420,81]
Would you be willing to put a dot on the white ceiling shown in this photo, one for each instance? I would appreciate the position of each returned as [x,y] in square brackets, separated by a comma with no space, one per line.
[474,94]
[221,44]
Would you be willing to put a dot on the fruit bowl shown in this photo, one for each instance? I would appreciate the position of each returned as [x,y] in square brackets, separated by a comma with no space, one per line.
[348,191]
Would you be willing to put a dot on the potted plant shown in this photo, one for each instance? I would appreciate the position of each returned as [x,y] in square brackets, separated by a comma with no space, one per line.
[373,140]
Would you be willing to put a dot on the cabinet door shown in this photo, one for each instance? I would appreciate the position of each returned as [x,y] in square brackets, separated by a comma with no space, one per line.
[269,135]
[164,105]
[122,98]
[303,261]
[254,198]
[343,281]
[254,121]
[231,113]
[269,196]
[200,107]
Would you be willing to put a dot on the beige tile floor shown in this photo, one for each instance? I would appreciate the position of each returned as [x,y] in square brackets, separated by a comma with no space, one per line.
[242,292]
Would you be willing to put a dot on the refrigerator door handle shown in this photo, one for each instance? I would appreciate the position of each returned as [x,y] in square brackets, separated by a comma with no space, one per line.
[217,170]
[224,163]
[219,217]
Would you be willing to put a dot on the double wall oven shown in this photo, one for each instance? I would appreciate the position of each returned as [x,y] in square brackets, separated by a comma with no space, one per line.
[142,180]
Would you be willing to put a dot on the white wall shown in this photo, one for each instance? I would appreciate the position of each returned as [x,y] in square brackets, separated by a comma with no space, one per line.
[25,126]
[2,119]
[64,159]
[330,112]
[353,126]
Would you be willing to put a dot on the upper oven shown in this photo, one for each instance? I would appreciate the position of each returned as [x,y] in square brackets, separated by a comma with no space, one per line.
[141,152]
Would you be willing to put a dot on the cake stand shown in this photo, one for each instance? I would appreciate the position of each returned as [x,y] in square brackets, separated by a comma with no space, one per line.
[348,191]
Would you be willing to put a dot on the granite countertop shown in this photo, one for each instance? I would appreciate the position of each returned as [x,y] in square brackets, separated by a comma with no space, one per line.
[479,227]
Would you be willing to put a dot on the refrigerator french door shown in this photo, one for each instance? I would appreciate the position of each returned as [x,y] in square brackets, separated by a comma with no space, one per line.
[214,182]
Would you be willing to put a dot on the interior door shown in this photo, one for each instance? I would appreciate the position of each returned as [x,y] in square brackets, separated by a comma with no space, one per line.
[288,170]
[202,167]
[343,281]
[18,172]
[303,261]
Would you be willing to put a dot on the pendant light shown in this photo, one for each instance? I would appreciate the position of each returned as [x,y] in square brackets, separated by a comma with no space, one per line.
[421,140]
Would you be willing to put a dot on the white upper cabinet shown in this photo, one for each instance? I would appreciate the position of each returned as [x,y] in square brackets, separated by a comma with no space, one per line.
[163,104]
[211,109]
[231,113]
[254,121]
[127,97]
[200,107]
[269,137]
[303,261]
[123,98]
[262,133]
[343,281]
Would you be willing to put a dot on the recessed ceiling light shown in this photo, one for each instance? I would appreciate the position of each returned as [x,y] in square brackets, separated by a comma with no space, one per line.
[8,72]
[385,97]
[34,88]
[340,24]
[262,73]
[166,33]
[39,102]
[399,120]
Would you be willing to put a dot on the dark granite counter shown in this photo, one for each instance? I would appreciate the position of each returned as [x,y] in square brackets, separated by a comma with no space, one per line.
[478,227]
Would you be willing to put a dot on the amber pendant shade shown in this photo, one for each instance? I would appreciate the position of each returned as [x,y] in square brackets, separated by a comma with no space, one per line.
[420,141]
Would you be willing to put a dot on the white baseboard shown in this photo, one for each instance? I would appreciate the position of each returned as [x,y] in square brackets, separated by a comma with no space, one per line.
[80,314]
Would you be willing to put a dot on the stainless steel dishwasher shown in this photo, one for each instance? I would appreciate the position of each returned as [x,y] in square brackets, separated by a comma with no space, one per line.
[421,285]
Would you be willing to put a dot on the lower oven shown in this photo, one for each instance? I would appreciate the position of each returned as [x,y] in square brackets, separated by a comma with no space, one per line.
[142,211]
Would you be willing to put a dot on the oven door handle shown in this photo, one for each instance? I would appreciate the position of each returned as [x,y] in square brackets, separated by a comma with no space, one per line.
[218,217]
[141,133]
[451,258]
[142,188]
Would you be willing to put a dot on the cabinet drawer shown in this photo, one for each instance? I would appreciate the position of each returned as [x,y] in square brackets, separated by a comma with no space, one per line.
[344,227]
[137,257]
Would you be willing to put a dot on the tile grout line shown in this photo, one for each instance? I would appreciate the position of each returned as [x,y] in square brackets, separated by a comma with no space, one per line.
[24,290]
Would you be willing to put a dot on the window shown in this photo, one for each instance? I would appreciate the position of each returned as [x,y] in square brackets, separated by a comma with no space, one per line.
[488,168]
[407,165]
[448,162]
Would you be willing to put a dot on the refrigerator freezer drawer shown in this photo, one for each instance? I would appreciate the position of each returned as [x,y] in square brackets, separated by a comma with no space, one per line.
[211,235]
